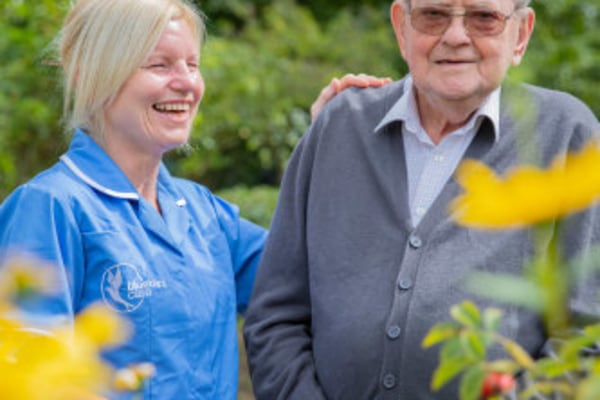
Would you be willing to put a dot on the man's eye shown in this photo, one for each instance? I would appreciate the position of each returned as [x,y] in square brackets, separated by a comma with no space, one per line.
[434,13]
[484,15]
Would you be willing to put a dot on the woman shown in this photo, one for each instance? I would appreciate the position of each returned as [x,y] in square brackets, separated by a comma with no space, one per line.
[165,253]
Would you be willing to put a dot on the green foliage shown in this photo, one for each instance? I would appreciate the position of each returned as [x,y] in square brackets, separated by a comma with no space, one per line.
[30,136]
[257,204]
[260,86]
[264,63]
[571,373]
[564,52]
[463,347]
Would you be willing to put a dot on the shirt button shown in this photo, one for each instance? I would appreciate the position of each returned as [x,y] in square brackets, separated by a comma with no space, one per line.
[420,211]
[415,241]
[393,332]
[405,283]
[389,381]
[438,158]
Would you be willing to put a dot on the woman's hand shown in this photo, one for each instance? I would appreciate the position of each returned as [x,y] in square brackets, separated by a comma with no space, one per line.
[337,85]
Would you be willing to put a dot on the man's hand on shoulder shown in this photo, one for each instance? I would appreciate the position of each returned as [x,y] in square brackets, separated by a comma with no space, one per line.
[337,85]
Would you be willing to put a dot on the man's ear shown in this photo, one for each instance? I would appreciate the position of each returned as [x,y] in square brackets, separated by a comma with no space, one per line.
[526,25]
[398,16]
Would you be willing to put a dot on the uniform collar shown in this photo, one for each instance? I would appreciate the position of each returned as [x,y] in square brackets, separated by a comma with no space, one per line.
[405,110]
[90,163]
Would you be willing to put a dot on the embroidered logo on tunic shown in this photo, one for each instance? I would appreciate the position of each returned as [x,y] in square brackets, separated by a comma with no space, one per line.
[124,288]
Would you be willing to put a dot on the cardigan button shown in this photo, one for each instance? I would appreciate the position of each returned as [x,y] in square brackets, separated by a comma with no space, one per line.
[389,381]
[393,332]
[415,241]
[405,283]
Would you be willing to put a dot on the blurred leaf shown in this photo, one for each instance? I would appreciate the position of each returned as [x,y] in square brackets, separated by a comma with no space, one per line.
[589,389]
[471,383]
[536,389]
[473,345]
[440,332]
[507,289]
[492,318]
[592,332]
[552,368]
[571,349]
[467,314]
[517,353]
[453,360]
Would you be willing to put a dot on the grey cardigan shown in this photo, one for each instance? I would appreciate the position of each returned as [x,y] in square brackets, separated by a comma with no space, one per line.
[347,289]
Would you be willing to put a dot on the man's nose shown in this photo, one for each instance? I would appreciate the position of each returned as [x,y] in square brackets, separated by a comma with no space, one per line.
[456,32]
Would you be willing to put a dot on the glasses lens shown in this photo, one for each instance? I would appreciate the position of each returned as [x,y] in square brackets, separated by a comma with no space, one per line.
[435,21]
[430,20]
[484,22]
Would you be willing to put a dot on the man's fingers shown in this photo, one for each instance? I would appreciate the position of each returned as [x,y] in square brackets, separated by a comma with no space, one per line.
[326,94]
[337,85]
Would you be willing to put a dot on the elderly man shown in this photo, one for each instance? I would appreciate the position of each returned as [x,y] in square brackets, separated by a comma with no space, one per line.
[363,259]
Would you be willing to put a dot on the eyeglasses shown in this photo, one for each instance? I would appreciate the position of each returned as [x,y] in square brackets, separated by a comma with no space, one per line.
[477,22]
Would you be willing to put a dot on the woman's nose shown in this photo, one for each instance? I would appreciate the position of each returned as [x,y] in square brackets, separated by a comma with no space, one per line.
[185,76]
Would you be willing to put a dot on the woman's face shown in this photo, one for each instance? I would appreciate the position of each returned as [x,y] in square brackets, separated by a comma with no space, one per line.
[155,108]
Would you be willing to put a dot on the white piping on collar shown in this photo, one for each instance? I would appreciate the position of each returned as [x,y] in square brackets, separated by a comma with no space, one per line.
[120,195]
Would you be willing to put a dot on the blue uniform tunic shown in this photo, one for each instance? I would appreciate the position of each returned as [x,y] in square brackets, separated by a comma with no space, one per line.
[178,277]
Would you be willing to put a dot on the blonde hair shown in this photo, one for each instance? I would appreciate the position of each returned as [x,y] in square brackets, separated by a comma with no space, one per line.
[103,42]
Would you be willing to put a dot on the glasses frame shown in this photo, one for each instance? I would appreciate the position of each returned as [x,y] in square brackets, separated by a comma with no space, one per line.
[501,18]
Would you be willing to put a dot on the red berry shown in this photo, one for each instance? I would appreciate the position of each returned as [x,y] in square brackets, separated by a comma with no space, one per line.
[496,384]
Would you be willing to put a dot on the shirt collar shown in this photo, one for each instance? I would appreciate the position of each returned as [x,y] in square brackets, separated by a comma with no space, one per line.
[405,110]
[90,163]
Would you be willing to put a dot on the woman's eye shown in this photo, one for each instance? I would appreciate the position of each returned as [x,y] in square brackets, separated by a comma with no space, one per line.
[155,66]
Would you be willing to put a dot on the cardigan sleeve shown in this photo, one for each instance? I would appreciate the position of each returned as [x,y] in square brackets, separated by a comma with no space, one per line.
[278,322]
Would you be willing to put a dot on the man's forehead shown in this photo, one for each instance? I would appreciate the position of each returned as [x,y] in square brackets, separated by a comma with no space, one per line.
[465,3]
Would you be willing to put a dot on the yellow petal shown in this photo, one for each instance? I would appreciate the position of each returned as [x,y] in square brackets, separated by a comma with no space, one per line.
[102,326]
[527,195]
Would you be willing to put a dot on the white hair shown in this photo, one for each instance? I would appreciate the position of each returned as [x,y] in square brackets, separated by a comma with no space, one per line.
[518,3]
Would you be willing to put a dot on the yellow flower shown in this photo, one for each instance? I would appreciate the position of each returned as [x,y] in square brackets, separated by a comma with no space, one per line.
[527,195]
[101,326]
[25,277]
[58,364]
[48,365]
[132,379]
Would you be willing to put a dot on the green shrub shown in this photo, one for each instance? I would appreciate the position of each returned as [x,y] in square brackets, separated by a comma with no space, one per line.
[256,204]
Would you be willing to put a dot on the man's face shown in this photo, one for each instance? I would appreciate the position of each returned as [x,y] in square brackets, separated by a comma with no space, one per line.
[460,63]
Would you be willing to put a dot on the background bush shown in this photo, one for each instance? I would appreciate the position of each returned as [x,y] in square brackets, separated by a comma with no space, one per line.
[256,203]
[264,63]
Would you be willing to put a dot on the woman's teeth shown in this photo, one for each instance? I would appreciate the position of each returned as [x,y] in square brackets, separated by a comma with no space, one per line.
[172,107]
